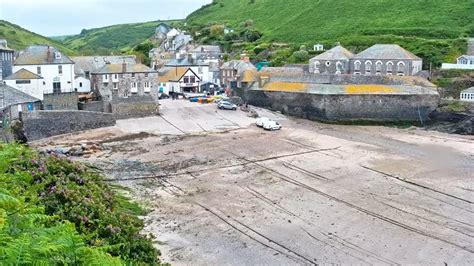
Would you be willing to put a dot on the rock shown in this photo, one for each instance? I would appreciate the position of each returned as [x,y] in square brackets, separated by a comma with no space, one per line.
[465,127]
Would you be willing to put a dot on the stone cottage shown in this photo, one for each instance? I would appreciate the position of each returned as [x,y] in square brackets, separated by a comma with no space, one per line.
[116,81]
[334,61]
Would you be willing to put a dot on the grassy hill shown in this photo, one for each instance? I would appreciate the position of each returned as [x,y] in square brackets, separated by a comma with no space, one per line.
[19,38]
[433,29]
[113,38]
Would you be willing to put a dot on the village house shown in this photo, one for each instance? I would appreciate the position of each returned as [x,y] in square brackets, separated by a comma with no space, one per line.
[56,69]
[380,59]
[467,95]
[6,59]
[116,81]
[27,82]
[13,101]
[237,73]
[178,80]
[466,61]
[200,67]
[85,65]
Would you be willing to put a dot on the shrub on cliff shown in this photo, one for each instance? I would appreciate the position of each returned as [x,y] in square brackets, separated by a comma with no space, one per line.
[56,211]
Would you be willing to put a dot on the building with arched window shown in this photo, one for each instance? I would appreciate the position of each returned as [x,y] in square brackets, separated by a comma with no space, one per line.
[334,61]
[386,59]
[380,59]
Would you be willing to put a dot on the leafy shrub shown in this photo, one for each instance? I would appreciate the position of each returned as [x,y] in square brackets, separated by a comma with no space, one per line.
[61,212]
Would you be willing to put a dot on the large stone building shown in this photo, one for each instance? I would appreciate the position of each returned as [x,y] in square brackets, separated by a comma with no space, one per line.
[237,73]
[380,59]
[56,68]
[116,81]
[334,61]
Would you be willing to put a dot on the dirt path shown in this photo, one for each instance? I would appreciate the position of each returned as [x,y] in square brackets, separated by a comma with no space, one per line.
[309,194]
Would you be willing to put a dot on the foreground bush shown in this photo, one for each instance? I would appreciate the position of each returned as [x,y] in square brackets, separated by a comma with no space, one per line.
[54,211]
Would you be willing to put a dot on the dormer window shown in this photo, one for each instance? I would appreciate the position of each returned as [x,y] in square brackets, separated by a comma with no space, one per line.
[57,55]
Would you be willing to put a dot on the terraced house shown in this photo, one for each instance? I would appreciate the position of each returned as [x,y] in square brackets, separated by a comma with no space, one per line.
[380,59]
[116,81]
[56,69]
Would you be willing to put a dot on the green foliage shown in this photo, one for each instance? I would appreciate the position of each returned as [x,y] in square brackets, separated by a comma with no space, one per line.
[112,39]
[54,211]
[19,38]
[434,30]
[142,52]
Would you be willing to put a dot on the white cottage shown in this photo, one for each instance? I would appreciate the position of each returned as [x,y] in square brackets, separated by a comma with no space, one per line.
[467,95]
[27,82]
[56,68]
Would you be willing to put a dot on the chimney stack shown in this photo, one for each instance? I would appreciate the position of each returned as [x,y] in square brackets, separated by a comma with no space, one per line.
[190,58]
[48,55]
[124,67]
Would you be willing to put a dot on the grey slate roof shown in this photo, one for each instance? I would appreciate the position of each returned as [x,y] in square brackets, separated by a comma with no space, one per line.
[386,52]
[470,90]
[238,65]
[38,55]
[23,74]
[207,49]
[468,57]
[94,63]
[118,68]
[336,53]
[185,61]
[13,96]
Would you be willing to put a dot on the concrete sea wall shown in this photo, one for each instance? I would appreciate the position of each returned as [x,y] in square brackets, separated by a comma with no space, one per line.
[347,107]
[43,124]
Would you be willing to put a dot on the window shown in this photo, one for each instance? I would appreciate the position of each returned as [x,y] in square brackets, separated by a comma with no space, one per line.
[134,87]
[38,70]
[378,67]
[106,84]
[146,75]
[389,67]
[328,63]
[60,70]
[27,81]
[357,66]
[115,85]
[368,67]
[56,87]
[339,68]
[316,67]
[87,74]
[133,75]
[147,87]
[401,67]
[192,79]
[106,77]
[186,79]
[115,76]
[80,84]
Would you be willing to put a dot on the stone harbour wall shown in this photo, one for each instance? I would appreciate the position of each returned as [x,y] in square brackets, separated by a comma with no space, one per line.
[133,107]
[43,124]
[343,107]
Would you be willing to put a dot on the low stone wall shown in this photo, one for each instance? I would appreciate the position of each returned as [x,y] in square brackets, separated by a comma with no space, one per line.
[43,124]
[60,101]
[138,106]
[92,106]
[343,107]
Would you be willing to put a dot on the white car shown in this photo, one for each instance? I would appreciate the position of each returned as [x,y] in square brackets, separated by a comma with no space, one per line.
[271,125]
[260,121]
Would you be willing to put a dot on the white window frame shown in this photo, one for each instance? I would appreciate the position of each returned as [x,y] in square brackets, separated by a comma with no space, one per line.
[368,71]
[134,88]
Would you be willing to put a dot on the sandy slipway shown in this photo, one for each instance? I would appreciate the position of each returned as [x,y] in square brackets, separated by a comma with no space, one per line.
[225,192]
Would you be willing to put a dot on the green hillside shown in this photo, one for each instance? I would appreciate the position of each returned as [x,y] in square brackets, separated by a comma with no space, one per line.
[19,38]
[113,38]
[433,29]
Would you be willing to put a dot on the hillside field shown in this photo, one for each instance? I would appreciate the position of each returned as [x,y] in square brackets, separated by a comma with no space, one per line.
[433,29]
[19,38]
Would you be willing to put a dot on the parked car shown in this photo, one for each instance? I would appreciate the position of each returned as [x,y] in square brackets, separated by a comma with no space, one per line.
[260,121]
[227,106]
[271,125]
